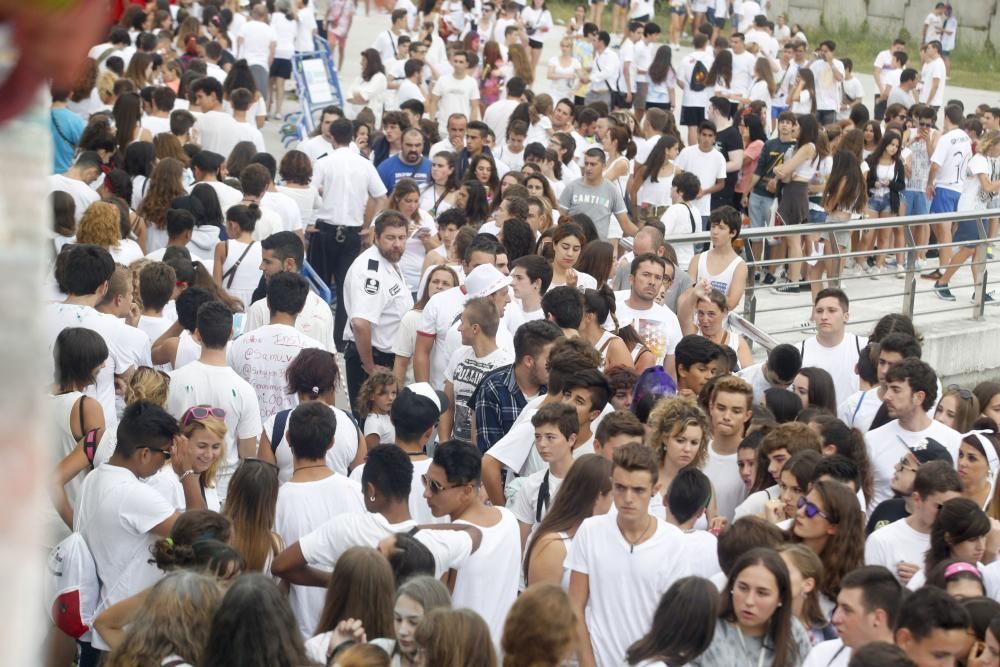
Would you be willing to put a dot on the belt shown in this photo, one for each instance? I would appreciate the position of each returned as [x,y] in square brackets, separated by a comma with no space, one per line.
[320,224]
[375,351]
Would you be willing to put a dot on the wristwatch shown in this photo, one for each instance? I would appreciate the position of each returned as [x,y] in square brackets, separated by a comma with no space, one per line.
[186,473]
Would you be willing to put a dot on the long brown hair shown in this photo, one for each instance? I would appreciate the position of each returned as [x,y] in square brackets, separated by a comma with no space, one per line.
[456,638]
[166,183]
[588,478]
[251,506]
[362,587]
[845,549]
[779,629]
[426,296]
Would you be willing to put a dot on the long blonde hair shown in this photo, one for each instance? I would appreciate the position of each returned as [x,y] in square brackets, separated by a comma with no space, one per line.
[174,619]
[216,427]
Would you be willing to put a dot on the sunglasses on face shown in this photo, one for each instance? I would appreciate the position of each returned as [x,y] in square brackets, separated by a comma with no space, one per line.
[904,464]
[200,412]
[165,452]
[812,509]
[435,486]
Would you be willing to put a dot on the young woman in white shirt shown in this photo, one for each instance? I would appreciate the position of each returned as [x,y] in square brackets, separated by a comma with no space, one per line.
[422,229]
[369,89]
[678,435]
[597,325]
[439,195]
[563,70]
[296,175]
[682,626]
[651,186]
[619,151]
[585,492]
[237,261]
[251,505]
[101,225]
[415,598]
[439,279]
[763,87]
[568,241]
[802,98]
[793,203]
[286,27]
[537,21]
[710,318]
[662,93]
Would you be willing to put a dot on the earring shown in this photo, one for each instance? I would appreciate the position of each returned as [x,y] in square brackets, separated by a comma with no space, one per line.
[371,498]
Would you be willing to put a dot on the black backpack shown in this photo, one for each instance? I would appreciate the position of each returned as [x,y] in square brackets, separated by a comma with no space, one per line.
[698,75]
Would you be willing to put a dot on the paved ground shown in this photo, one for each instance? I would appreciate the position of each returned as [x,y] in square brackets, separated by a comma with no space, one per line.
[871,298]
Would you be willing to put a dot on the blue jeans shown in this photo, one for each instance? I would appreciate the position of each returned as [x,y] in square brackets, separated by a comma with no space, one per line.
[916,202]
[759,209]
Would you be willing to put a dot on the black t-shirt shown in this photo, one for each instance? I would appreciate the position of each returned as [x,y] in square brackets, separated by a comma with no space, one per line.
[888,511]
[771,156]
[726,142]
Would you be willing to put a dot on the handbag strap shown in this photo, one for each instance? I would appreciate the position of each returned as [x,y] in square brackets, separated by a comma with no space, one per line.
[231,272]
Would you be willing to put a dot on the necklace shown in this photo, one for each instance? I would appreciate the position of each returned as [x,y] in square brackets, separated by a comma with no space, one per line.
[420,453]
[649,521]
[317,465]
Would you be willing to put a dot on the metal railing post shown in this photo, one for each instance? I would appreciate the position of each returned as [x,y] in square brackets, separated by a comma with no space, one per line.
[837,261]
[979,259]
[910,286]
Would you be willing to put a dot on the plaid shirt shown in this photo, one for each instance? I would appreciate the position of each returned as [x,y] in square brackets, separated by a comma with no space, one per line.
[497,402]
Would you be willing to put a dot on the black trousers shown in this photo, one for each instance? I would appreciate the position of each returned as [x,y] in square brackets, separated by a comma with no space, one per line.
[356,374]
[332,249]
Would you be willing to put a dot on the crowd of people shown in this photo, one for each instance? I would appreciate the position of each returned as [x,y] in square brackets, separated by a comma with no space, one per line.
[444,385]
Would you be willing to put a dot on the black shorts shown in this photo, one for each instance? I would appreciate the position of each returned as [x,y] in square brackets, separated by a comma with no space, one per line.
[534,43]
[281,68]
[659,105]
[692,116]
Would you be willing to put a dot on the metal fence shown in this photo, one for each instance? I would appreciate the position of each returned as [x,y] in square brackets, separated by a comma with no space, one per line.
[754,305]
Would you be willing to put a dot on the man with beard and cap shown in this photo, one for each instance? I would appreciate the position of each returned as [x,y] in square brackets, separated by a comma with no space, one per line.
[375,299]
[408,163]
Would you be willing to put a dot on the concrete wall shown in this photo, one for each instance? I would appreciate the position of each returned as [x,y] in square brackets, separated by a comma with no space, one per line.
[978,20]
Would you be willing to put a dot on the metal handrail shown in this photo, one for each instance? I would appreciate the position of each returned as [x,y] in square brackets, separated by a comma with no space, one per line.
[828,231]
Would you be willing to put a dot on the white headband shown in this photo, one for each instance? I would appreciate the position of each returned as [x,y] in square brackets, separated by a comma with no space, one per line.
[992,459]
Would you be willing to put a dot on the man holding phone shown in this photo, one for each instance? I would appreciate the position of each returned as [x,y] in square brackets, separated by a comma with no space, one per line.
[408,163]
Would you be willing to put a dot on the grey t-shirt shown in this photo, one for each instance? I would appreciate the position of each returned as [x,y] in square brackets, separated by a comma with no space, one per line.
[728,649]
[599,203]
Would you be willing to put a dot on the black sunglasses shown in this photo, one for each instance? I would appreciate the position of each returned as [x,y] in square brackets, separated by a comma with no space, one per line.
[964,394]
[165,452]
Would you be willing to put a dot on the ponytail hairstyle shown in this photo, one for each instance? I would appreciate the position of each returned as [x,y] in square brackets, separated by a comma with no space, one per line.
[658,156]
[623,141]
[601,302]
[849,443]
[245,216]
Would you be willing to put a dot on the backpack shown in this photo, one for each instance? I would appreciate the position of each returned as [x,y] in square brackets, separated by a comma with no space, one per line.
[73,587]
[698,75]
[280,421]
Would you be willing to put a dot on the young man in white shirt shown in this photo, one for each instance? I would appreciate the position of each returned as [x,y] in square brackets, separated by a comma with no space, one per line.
[694,98]
[883,65]
[478,356]
[866,612]
[778,371]
[387,41]
[603,74]
[313,496]
[210,381]
[455,93]
[648,274]
[743,64]
[119,516]
[901,546]
[829,72]
[487,581]
[157,282]
[556,428]
[76,181]
[617,566]
[262,356]
[833,348]
[530,277]
[932,76]
[911,388]
[218,131]
[708,164]
[497,115]
[157,121]
[385,487]
[729,413]
[686,501]
[587,391]
[864,410]
[933,24]
[946,178]
[257,43]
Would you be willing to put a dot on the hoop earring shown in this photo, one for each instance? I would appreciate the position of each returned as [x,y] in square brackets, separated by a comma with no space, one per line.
[371,498]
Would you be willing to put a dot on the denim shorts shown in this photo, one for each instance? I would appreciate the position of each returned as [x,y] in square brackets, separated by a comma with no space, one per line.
[967,230]
[759,209]
[945,200]
[916,202]
[880,203]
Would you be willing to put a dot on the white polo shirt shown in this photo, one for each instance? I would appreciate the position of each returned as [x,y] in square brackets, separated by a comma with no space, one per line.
[376,291]
[346,181]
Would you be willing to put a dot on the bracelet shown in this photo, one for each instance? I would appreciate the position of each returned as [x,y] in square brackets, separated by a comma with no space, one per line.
[186,473]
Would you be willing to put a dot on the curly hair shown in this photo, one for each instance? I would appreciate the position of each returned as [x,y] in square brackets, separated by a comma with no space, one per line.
[540,628]
[100,226]
[670,417]
[165,184]
[371,388]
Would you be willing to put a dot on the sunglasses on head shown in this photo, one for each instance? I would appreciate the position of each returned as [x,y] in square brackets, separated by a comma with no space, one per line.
[964,394]
[812,509]
[200,412]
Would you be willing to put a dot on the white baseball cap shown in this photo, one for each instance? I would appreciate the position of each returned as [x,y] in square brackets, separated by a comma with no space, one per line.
[438,398]
[485,280]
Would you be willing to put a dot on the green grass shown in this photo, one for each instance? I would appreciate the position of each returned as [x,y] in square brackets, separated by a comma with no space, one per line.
[968,69]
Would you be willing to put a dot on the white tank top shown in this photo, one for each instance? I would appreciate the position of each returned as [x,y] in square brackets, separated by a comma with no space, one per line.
[67,422]
[602,345]
[247,275]
[719,281]
[805,171]
[567,541]
[187,350]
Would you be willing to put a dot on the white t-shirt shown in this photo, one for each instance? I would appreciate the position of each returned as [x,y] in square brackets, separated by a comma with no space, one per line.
[315,320]
[626,581]
[756,502]
[303,507]
[419,509]
[455,96]
[724,474]
[286,208]
[514,316]
[952,153]
[708,167]
[839,361]
[701,549]
[691,98]
[324,546]
[198,383]
[860,408]
[115,514]
[381,426]
[83,195]
[465,371]
[438,315]
[933,69]
[831,653]
[827,90]
[678,219]
[487,580]
[262,356]
[972,189]
[227,194]
[743,64]
[339,457]
[896,543]
[524,504]
[255,42]
[657,326]
[497,116]
[218,132]
[888,443]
